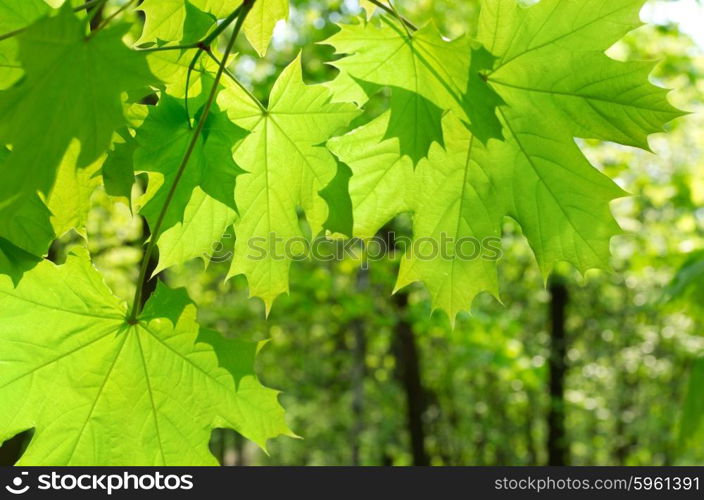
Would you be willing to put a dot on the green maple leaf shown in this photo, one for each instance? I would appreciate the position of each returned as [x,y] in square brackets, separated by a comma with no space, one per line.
[558,84]
[118,170]
[14,261]
[382,184]
[171,68]
[28,225]
[560,200]
[100,391]
[450,235]
[261,21]
[286,169]
[427,76]
[14,15]
[452,200]
[182,20]
[188,21]
[337,195]
[550,58]
[203,204]
[537,175]
[41,120]
[29,228]
[69,198]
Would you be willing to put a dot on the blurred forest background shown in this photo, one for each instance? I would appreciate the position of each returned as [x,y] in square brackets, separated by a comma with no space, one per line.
[602,369]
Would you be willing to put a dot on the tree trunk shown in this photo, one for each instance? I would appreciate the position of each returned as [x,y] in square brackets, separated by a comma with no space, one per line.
[558,453]
[410,373]
[359,369]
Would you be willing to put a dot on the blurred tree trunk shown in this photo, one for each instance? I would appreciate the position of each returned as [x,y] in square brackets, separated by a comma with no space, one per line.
[558,453]
[359,369]
[240,447]
[410,373]
[531,447]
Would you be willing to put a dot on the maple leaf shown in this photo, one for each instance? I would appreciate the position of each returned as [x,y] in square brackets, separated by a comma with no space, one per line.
[286,169]
[382,182]
[337,195]
[14,15]
[550,60]
[187,21]
[203,203]
[118,169]
[171,67]
[537,175]
[427,76]
[181,20]
[552,72]
[451,235]
[99,391]
[69,198]
[261,21]
[452,199]
[14,261]
[41,120]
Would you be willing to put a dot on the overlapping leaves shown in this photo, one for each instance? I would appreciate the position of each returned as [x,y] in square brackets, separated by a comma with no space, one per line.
[96,386]
[99,390]
[554,83]
[186,21]
[286,169]
[203,203]
[429,76]
[65,109]
[474,131]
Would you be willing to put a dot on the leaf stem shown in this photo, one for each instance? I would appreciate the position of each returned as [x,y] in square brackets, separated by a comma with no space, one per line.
[85,6]
[398,16]
[113,16]
[169,47]
[391,10]
[204,46]
[94,11]
[223,25]
[249,93]
[137,303]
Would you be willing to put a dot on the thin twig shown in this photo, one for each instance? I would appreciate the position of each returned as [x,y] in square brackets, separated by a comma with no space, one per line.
[94,11]
[204,46]
[191,67]
[394,13]
[399,16]
[232,76]
[137,303]
[16,32]
[114,15]
[169,47]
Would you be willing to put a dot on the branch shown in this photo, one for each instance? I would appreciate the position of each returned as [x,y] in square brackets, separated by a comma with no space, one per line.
[254,99]
[204,46]
[112,16]
[85,6]
[137,303]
